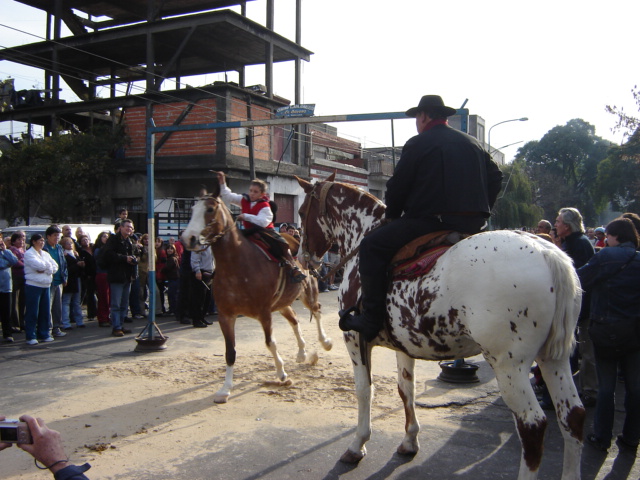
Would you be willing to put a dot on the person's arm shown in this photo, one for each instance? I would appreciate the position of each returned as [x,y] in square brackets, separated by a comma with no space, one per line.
[228,196]
[262,219]
[196,260]
[52,265]
[590,272]
[7,258]
[400,184]
[47,449]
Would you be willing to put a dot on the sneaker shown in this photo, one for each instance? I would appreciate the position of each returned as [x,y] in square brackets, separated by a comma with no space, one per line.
[8,339]
[333,287]
[137,316]
[33,341]
[59,333]
[117,333]
[48,339]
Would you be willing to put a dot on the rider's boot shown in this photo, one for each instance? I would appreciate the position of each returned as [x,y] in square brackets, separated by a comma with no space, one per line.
[370,319]
[296,274]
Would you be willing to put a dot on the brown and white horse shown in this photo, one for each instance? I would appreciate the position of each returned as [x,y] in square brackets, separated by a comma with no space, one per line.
[512,297]
[247,283]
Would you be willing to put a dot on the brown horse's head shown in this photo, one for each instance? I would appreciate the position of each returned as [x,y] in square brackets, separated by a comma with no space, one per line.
[210,220]
[316,234]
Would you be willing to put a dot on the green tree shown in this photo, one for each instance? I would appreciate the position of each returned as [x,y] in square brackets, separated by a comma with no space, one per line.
[564,168]
[515,207]
[629,124]
[59,177]
[619,174]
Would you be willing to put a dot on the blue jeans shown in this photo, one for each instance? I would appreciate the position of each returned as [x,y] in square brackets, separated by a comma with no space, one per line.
[71,309]
[55,297]
[37,318]
[119,303]
[607,369]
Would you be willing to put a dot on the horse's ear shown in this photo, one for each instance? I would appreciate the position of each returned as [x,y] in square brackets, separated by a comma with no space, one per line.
[306,186]
[202,192]
[215,191]
[331,178]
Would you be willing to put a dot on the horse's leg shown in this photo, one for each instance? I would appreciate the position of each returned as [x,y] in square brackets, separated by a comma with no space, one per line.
[512,373]
[570,412]
[407,391]
[227,325]
[310,300]
[267,327]
[291,317]
[364,393]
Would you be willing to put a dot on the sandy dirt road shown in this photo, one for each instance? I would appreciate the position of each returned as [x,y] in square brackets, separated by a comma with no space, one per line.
[152,416]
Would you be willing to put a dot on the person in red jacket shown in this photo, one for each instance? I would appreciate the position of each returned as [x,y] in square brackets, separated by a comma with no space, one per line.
[257,216]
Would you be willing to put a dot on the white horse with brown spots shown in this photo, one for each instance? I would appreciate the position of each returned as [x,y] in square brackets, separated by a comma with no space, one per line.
[511,296]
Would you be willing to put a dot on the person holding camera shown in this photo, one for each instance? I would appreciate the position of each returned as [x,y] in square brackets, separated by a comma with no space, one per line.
[120,263]
[47,449]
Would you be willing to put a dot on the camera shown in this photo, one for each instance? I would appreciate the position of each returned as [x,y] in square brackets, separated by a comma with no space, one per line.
[14,431]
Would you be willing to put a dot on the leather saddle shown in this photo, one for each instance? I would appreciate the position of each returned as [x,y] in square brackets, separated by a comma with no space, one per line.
[418,256]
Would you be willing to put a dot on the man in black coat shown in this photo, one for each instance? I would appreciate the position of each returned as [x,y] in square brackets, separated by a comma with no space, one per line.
[444,180]
[120,262]
[577,245]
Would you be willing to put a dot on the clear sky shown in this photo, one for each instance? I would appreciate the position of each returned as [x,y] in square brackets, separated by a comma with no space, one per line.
[550,61]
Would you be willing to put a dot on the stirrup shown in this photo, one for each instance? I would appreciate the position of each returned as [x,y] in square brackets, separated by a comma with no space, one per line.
[296,275]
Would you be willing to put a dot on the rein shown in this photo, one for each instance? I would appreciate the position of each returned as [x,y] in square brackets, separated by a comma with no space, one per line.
[209,237]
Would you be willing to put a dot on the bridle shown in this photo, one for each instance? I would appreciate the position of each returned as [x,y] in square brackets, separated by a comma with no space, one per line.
[209,237]
[321,197]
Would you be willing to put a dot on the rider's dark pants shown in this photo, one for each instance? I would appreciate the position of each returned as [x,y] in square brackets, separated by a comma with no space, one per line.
[378,248]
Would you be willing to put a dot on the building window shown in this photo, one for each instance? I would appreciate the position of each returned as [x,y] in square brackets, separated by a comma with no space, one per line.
[242,136]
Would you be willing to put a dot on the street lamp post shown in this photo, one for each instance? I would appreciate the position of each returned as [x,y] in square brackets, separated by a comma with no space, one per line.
[523,119]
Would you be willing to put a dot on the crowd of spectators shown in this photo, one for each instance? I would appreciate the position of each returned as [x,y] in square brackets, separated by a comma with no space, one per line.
[607,263]
[45,282]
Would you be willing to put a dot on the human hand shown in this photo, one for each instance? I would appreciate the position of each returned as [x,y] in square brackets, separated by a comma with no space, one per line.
[198,275]
[240,217]
[221,178]
[47,444]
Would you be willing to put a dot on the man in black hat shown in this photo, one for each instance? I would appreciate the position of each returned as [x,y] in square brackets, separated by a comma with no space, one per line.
[444,180]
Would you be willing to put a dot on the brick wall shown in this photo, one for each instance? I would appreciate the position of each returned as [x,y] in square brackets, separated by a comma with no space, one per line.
[199,142]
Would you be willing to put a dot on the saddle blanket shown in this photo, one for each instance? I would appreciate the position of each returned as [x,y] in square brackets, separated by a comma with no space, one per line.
[419,265]
[263,246]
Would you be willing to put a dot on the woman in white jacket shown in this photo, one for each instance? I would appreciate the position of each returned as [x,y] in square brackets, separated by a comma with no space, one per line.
[39,268]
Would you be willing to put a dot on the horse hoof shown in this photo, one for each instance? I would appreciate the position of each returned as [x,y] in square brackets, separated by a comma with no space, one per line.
[402,450]
[302,357]
[220,398]
[327,344]
[351,457]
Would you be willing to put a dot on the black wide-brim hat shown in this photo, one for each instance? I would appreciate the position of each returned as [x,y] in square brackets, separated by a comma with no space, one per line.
[431,102]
